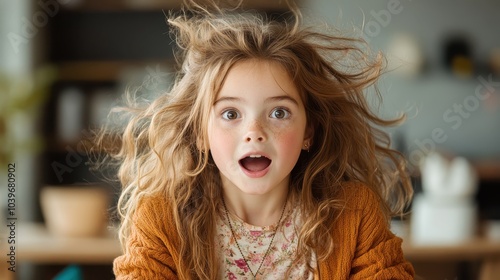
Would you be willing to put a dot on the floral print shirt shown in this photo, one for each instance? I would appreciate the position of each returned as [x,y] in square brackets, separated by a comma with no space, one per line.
[254,242]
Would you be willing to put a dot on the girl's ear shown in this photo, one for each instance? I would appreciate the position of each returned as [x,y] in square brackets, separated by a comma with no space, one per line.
[308,138]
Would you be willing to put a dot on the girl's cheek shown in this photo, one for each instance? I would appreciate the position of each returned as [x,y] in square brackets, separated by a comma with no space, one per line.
[289,130]
[290,139]
[223,136]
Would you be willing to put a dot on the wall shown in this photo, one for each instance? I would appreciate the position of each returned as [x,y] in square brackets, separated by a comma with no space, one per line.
[433,98]
[14,59]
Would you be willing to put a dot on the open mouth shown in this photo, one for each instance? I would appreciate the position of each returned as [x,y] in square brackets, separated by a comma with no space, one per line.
[255,163]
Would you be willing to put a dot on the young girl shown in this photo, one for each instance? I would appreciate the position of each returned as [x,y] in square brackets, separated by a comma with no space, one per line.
[264,160]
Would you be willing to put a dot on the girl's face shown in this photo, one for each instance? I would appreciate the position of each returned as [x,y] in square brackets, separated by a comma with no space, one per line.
[257,128]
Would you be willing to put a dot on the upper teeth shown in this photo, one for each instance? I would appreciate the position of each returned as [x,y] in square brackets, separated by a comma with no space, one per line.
[255,156]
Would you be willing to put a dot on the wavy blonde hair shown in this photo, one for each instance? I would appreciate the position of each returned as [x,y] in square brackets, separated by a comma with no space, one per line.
[164,148]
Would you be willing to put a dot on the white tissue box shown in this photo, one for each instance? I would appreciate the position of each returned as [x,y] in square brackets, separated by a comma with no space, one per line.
[441,221]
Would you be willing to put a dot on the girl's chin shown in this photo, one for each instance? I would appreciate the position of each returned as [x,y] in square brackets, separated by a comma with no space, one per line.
[256,189]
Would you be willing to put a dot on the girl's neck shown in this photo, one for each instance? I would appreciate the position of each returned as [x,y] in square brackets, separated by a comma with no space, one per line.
[257,210]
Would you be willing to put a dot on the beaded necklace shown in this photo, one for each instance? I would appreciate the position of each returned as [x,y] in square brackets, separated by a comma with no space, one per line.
[238,245]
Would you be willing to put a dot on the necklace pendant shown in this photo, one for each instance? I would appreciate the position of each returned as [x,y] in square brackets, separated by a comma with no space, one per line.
[238,245]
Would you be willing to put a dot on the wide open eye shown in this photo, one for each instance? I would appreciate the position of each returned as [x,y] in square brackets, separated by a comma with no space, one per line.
[280,113]
[230,114]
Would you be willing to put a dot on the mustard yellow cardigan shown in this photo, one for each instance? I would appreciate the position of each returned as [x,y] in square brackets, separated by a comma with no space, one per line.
[366,247]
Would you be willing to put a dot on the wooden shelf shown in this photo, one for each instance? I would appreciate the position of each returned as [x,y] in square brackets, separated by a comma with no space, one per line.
[103,71]
[84,145]
[147,5]
[488,170]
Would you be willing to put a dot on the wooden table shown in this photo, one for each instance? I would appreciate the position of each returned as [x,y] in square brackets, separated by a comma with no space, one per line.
[481,249]
[476,249]
[37,245]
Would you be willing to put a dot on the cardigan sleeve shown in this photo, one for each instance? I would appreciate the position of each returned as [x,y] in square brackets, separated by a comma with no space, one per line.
[378,253]
[149,253]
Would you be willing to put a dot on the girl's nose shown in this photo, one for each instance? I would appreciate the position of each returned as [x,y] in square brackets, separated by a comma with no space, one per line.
[255,133]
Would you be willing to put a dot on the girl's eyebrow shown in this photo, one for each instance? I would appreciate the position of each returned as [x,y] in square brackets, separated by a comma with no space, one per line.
[273,98]
[227,98]
[282,98]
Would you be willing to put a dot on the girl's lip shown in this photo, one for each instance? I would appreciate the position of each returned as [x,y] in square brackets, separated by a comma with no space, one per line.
[255,174]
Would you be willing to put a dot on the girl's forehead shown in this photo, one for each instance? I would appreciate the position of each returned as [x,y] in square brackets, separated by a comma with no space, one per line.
[266,75]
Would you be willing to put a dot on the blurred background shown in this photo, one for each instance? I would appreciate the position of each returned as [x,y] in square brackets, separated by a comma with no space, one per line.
[64,64]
